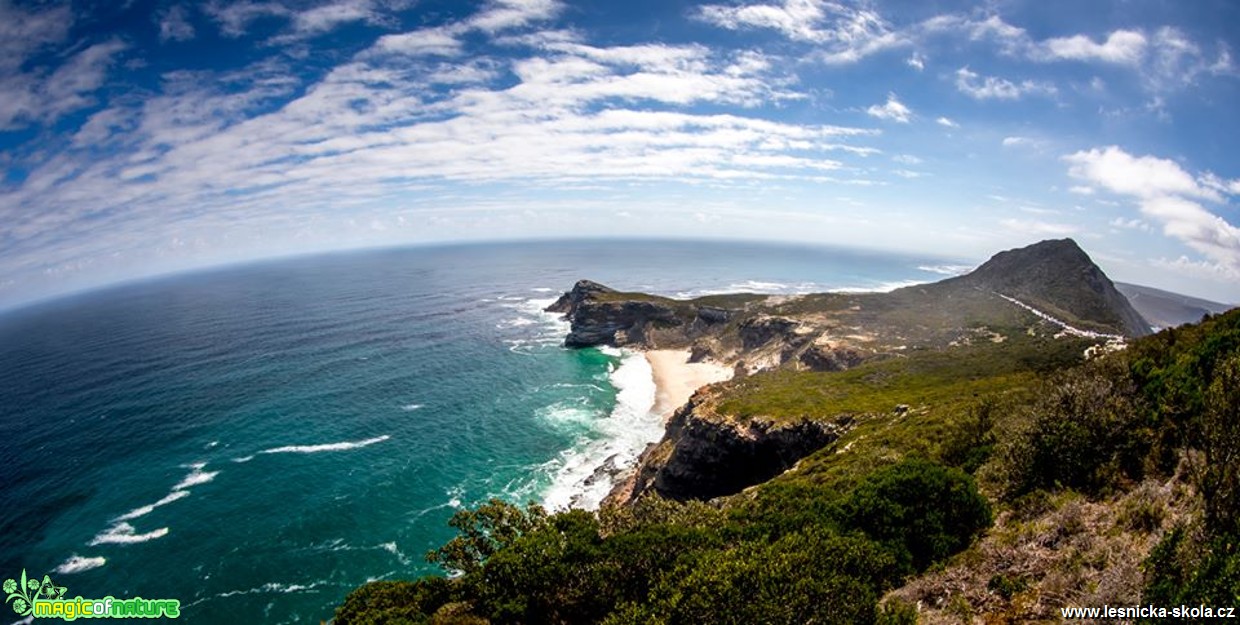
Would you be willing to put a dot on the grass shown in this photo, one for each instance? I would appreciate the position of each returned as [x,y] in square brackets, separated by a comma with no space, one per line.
[916,378]
[940,388]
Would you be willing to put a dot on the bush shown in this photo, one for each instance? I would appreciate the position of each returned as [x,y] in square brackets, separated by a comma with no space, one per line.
[923,512]
[896,611]
[1084,431]
[555,573]
[1219,478]
[809,577]
[971,441]
[483,532]
[395,603]
[1178,573]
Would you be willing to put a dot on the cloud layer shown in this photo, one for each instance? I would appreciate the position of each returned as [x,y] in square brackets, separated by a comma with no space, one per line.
[340,123]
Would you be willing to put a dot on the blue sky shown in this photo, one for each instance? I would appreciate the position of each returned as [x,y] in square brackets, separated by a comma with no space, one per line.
[145,137]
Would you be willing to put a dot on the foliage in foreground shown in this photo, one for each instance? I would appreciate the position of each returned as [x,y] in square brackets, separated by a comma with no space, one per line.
[666,562]
[802,548]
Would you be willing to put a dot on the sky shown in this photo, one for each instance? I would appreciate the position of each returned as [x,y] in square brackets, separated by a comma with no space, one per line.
[146,137]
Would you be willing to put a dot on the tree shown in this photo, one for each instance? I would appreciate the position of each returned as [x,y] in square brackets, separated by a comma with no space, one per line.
[483,532]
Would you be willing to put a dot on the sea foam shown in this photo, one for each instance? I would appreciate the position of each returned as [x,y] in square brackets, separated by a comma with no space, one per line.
[124,534]
[149,508]
[77,564]
[313,449]
[582,477]
[196,476]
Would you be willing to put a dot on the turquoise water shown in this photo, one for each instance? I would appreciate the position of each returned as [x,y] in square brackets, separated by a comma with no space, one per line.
[256,441]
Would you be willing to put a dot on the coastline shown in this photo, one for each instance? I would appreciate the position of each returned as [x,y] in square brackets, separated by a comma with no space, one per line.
[676,379]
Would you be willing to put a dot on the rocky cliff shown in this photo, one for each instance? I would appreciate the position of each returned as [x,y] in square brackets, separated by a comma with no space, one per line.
[706,452]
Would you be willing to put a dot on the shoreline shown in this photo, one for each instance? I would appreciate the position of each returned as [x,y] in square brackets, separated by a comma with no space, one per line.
[676,379]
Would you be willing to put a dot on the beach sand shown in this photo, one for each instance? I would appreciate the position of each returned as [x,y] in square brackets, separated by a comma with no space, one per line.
[676,378]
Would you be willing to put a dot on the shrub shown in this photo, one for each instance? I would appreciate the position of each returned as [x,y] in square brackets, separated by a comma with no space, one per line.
[971,441]
[896,611]
[485,531]
[923,511]
[815,576]
[395,603]
[1084,430]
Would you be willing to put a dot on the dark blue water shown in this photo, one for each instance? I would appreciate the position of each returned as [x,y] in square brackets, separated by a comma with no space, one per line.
[256,441]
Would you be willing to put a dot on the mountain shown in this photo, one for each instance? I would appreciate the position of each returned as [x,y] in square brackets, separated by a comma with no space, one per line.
[1059,278]
[1165,309]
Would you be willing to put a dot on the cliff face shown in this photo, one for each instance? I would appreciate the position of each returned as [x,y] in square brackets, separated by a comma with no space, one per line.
[706,454]
[604,316]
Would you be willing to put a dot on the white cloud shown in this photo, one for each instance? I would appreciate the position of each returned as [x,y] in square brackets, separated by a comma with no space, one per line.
[1125,47]
[1144,176]
[946,122]
[301,21]
[174,25]
[325,17]
[42,97]
[423,42]
[1165,58]
[1037,227]
[1131,224]
[502,15]
[907,159]
[1012,142]
[893,110]
[234,18]
[843,33]
[1211,181]
[994,88]
[248,157]
[1178,62]
[25,32]
[916,61]
[1167,194]
[1082,190]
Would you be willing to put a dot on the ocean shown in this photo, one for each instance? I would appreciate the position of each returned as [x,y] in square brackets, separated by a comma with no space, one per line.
[255,441]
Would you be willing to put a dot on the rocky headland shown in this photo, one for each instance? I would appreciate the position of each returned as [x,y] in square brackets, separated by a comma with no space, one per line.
[1049,291]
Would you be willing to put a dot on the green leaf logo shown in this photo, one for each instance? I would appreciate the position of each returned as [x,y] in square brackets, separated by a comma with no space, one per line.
[23,593]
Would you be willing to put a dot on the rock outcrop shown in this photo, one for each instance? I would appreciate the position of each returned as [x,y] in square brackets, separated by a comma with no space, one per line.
[603,316]
[705,454]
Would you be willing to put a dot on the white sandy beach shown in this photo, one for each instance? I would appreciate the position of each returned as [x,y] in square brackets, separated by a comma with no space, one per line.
[676,378]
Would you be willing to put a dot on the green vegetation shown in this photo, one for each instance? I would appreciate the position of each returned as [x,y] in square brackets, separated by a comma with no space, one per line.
[918,377]
[1072,454]
[666,562]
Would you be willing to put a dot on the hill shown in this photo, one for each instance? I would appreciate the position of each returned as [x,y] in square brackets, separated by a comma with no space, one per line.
[1165,309]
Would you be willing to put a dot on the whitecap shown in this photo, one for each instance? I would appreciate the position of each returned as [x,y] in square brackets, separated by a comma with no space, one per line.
[147,509]
[243,459]
[311,449]
[580,477]
[124,534]
[77,564]
[391,548]
[410,407]
[196,476]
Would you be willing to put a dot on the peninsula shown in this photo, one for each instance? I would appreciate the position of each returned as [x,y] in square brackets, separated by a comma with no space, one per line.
[996,446]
